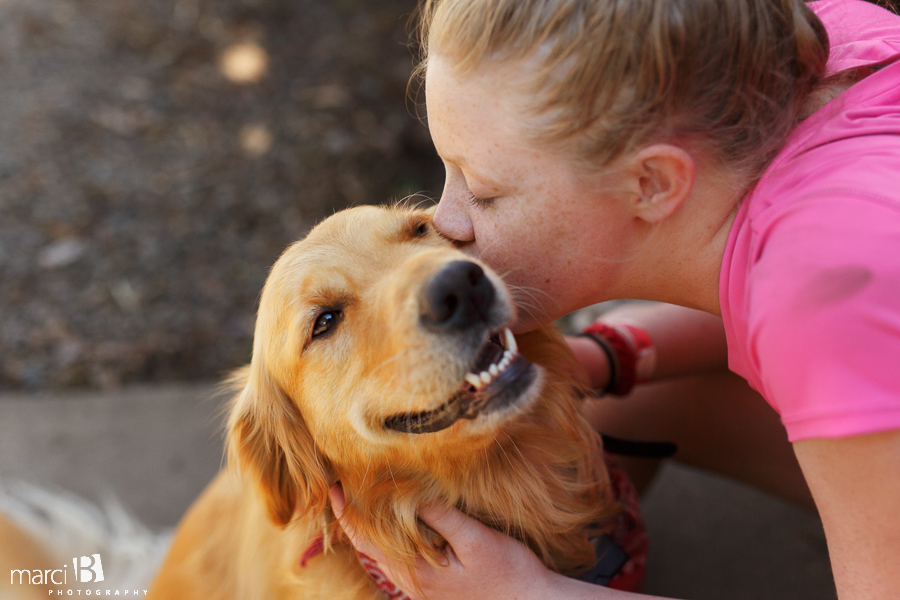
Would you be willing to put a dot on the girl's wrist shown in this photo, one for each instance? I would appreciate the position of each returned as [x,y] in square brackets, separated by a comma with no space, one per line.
[630,354]
[559,587]
[592,359]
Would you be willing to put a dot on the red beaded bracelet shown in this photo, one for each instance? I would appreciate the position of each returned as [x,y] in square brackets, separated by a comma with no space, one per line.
[630,351]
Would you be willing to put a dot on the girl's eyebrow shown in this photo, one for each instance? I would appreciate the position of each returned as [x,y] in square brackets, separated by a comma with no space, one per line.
[461,162]
[487,181]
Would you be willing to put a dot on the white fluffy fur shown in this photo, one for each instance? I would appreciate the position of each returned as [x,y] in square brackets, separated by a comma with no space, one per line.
[68,526]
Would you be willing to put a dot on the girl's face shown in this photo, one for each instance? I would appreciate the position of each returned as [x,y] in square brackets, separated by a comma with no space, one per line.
[563,237]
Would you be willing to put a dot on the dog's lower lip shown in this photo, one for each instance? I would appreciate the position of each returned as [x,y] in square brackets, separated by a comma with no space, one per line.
[502,392]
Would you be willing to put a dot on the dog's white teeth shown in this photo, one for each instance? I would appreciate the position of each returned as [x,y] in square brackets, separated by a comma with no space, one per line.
[510,341]
[485,378]
[475,380]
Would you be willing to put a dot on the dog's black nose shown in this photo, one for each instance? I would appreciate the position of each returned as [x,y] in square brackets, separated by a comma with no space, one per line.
[457,297]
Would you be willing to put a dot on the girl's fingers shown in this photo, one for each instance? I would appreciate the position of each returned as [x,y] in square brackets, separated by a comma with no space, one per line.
[466,536]
[338,504]
[382,566]
[484,563]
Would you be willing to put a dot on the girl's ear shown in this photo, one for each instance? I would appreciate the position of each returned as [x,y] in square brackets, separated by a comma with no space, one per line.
[268,437]
[663,175]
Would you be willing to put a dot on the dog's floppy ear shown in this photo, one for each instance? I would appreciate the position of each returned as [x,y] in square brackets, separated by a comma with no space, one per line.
[268,437]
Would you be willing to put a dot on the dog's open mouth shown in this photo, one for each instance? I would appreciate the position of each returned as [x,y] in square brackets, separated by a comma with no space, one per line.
[499,377]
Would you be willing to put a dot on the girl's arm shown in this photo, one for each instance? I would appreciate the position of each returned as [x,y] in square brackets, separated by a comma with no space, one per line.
[856,484]
[688,341]
[855,481]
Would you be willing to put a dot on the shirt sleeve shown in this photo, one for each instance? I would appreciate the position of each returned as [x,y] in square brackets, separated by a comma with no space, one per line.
[824,308]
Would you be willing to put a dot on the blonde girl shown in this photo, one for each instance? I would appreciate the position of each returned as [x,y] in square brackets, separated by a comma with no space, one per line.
[738,160]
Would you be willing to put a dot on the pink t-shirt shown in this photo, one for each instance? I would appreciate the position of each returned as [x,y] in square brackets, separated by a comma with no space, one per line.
[810,283]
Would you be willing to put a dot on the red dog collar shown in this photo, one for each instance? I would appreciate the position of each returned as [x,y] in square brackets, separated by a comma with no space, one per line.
[628,531]
[621,553]
[384,584]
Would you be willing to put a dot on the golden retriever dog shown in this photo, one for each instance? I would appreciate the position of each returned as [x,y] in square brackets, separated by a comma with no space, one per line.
[382,360]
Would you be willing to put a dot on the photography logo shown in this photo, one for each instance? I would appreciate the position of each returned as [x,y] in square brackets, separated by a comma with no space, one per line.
[88,569]
[91,569]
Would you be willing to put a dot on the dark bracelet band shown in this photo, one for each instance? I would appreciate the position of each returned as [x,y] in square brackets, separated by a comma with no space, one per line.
[611,357]
[621,354]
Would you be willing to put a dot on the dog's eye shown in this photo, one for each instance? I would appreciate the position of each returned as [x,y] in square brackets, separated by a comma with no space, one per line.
[421,229]
[325,322]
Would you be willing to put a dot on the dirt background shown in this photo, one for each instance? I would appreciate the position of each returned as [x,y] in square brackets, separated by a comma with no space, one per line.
[157,155]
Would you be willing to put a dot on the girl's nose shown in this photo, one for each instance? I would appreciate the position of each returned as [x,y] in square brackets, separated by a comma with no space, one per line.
[452,217]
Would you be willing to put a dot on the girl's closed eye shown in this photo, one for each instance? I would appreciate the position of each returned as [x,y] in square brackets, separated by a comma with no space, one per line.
[480,202]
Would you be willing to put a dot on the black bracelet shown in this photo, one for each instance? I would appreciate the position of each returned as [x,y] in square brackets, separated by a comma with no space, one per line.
[611,357]
[639,449]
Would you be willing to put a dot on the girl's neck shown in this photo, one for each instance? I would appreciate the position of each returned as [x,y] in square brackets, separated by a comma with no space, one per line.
[683,260]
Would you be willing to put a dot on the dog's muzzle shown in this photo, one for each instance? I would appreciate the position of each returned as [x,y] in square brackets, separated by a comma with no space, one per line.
[506,388]
[460,301]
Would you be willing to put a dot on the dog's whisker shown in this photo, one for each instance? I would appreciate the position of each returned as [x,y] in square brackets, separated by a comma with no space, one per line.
[516,446]
[316,450]
[528,312]
[410,400]
[503,450]
[517,293]
[513,526]
[392,358]
[514,269]
[529,306]
[407,202]
[362,483]
[520,295]
[529,288]
[530,468]
[391,471]
[424,197]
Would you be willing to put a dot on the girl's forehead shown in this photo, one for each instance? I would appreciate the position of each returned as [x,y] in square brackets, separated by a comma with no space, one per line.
[472,112]
[445,90]
[496,102]
[477,126]
[493,75]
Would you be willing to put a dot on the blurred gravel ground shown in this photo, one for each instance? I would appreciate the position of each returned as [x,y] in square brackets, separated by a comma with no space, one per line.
[144,195]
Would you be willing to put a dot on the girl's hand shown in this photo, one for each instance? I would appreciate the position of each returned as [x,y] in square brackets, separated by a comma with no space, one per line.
[482,562]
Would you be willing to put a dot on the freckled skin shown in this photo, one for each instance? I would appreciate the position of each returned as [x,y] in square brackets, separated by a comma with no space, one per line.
[651,225]
[548,224]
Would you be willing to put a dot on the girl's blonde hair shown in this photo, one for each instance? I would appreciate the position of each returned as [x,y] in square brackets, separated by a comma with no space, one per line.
[727,76]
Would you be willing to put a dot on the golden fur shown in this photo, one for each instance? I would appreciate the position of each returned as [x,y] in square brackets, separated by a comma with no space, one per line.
[19,550]
[310,413]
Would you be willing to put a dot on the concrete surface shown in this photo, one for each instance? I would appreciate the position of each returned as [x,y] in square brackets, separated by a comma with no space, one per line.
[156,448]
